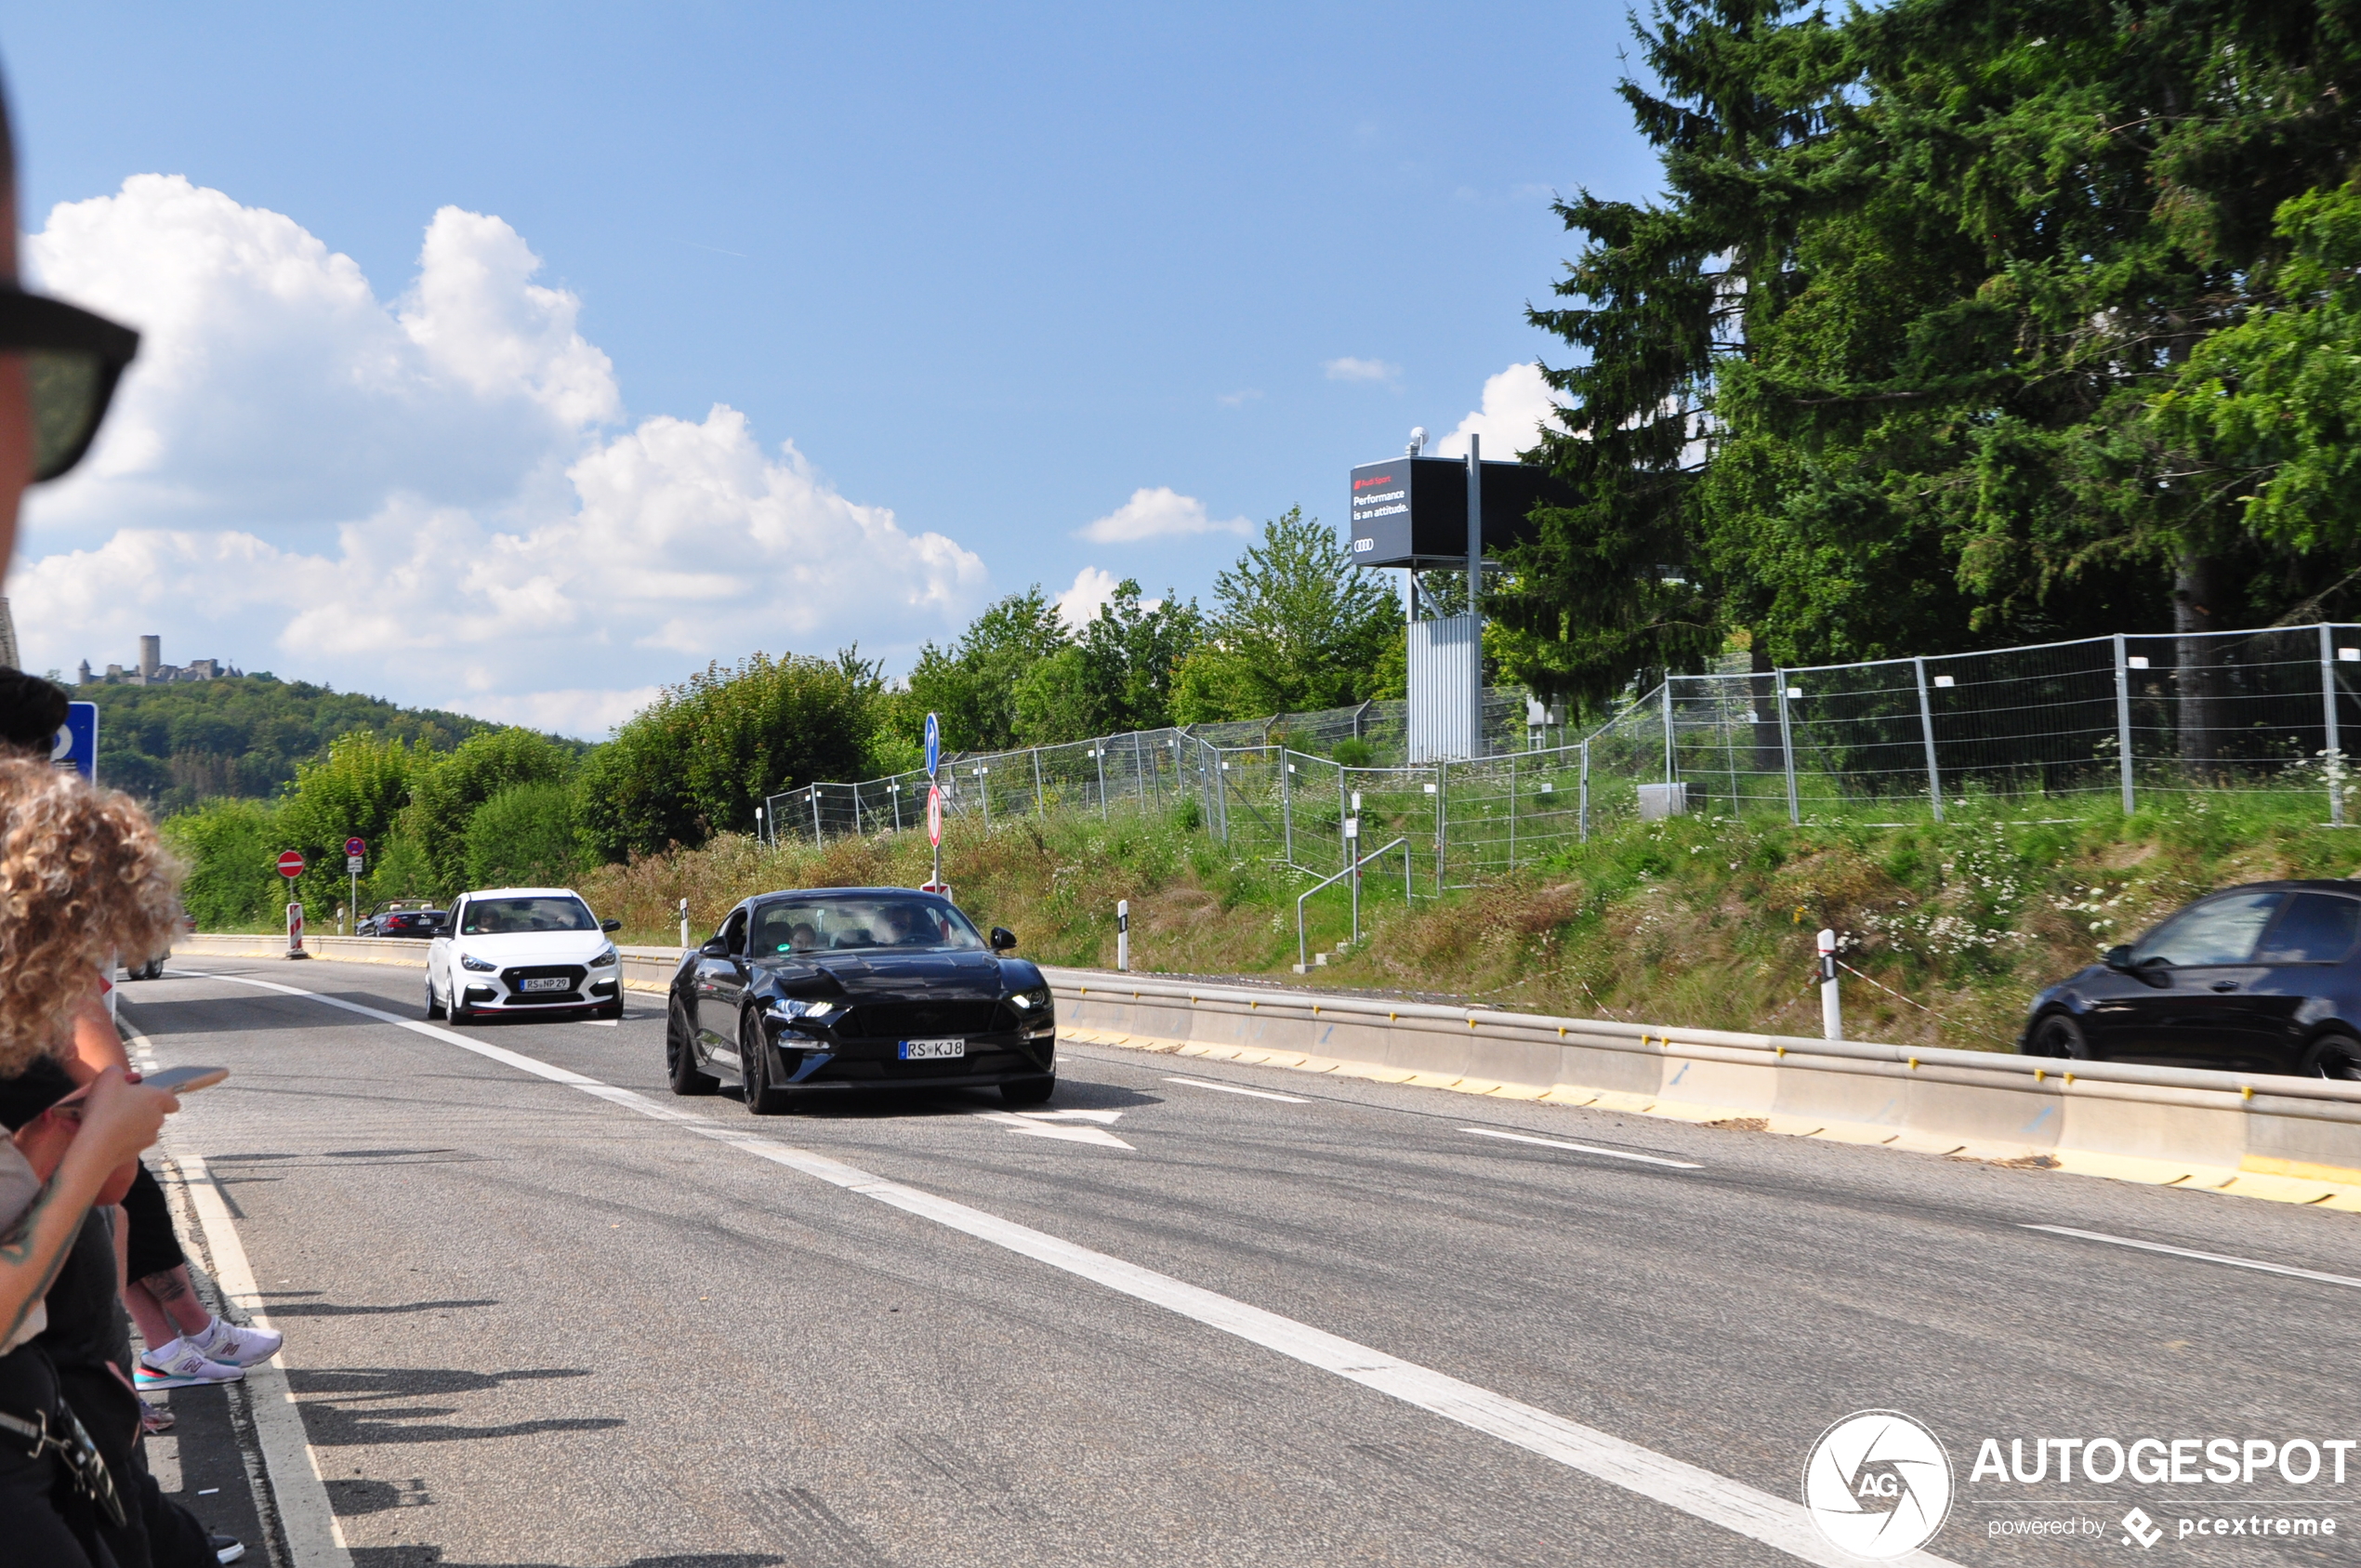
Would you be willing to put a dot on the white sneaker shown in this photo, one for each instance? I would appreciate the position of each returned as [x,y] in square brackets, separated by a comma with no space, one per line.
[182,1366]
[238,1347]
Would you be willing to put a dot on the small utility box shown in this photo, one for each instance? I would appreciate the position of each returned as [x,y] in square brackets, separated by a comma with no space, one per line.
[1658,801]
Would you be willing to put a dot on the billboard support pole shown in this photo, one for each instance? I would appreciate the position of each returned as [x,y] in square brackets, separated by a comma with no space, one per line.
[1475,594]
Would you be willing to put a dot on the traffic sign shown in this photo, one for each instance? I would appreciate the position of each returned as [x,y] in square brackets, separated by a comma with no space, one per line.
[76,746]
[934,745]
[355,847]
[291,864]
[353,866]
[934,815]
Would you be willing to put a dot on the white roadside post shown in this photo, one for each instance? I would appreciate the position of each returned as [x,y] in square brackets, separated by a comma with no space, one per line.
[1353,858]
[757,822]
[684,925]
[1123,933]
[1831,1008]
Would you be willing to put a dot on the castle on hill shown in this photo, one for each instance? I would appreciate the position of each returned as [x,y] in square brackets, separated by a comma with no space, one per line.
[152,671]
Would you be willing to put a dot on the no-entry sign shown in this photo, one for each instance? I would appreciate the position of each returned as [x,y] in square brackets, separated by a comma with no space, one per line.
[934,814]
[291,864]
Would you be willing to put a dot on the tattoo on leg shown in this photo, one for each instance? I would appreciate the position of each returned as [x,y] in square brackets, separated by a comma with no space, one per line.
[168,1286]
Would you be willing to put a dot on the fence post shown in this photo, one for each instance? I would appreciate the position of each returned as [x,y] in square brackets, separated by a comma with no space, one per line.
[1582,811]
[1040,803]
[1442,822]
[816,816]
[2123,721]
[1286,804]
[2334,761]
[1099,753]
[1667,725]
[1787,748]
[895,789]
[1926,728]
[1512,811]
[1139,785]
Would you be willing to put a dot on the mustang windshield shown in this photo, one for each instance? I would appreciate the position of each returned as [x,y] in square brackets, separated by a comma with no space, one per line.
[858,925]
[503,917]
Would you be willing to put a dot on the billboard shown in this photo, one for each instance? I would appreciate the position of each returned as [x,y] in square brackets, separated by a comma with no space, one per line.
[1413,511]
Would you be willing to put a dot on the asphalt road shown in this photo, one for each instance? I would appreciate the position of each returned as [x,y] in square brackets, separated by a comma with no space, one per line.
[528,1326]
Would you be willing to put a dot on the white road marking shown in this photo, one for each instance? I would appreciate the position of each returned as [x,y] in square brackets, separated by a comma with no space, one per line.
[2200,1257]
[1701,1494]
[603,1023]
[1038,1126]
[1583,1148]
[1233,1088]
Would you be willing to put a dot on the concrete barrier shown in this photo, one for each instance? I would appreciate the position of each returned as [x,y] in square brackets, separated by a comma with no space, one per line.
[2291,1139]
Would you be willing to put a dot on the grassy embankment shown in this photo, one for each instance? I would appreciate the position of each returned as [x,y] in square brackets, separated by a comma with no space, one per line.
[1695,922]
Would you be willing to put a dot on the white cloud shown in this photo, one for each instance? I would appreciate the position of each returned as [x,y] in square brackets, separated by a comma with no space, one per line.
[1349,369]
[1515,402]
[427,498]
[1079,604]
[1157,514]
[1240,398]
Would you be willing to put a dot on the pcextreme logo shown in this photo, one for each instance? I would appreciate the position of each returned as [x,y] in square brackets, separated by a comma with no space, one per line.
[1877,1483]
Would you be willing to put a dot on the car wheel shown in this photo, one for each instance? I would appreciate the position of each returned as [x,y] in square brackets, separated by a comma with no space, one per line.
[2058,1035]
[753,1070]
[434,1007]
[460,1016]
[1030,1092]
[680,1056]
[2333,1056]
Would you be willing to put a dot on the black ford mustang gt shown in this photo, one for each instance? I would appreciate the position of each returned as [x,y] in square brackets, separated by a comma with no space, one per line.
[837,989]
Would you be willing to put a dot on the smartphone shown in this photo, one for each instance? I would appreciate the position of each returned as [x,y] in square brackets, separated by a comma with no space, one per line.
[186,1080]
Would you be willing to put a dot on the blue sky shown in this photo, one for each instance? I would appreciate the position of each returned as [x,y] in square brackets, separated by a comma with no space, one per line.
[994,271]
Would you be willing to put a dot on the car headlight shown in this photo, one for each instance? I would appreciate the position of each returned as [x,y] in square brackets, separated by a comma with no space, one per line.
[606,956]
[795,1009]
[1034,1000]
[470,961]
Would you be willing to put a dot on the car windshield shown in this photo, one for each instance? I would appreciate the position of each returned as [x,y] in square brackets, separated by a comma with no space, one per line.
[500,918]
[854,924]
[2216,932]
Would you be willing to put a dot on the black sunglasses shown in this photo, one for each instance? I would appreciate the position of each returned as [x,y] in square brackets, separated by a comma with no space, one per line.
[72,359]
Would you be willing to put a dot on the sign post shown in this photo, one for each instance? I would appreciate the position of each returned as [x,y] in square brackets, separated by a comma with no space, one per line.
[291,867]
[934,799]
[354,849]
[77,743]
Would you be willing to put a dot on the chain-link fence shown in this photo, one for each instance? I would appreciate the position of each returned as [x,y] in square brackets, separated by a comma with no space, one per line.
[1886,743]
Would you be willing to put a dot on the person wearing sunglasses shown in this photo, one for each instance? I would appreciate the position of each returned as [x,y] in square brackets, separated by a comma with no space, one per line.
[59,367]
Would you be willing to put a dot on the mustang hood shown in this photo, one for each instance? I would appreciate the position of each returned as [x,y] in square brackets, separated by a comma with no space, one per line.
[886,973]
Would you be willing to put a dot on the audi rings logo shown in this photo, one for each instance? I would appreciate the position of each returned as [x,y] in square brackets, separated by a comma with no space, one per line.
[1878,1484]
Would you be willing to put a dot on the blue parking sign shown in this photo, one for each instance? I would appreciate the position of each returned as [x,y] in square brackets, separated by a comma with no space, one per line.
[77,744]
[934,745]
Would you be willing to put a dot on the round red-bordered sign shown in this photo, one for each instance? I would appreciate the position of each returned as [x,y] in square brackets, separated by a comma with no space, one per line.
[291,864]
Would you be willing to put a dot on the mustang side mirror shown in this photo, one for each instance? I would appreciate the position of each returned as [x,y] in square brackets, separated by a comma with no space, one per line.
[610,924]
[1003,939]
[717,948]
[2118,958]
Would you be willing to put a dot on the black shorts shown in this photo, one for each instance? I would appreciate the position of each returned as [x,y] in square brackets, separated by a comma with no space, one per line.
[149,1247]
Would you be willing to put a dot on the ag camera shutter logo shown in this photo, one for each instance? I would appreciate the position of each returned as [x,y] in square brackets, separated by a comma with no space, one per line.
[1878,1484]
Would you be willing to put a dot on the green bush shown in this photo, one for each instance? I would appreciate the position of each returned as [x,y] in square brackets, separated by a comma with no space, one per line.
[231,847]
[523,836]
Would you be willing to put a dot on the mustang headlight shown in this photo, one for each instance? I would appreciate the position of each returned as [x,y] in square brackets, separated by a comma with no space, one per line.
[606,957]
[795,1009]
[1034,1000]
[470,961]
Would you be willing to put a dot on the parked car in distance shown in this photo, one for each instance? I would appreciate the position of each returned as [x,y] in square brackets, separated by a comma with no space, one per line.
[400,918]
[522,950]
[831,990]
[2263,977]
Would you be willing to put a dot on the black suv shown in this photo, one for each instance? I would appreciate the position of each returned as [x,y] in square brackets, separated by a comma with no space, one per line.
[2260,979]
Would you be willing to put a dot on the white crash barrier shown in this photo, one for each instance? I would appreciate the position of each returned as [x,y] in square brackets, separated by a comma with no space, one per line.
[2295,1139]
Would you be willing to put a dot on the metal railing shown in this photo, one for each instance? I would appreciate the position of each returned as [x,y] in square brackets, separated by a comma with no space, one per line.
[2000,731]
[1302,943]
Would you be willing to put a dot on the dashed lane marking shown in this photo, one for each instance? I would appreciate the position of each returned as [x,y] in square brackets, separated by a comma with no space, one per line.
[1233,1088]
[1690,1489]
[2253,1263]
[1583,1148]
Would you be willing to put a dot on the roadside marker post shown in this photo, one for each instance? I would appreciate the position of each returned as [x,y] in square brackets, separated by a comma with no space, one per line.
[1123,933]
[291,867]
[684,925]
[1831,1007]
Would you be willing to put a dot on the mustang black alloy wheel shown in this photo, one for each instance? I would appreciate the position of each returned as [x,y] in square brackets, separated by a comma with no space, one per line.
[754,1072]
[681,1055]
[2061,1037]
